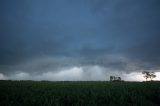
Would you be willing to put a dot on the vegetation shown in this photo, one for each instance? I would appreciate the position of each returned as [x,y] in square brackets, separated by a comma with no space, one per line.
[79,93]
[149,75]
[113,78]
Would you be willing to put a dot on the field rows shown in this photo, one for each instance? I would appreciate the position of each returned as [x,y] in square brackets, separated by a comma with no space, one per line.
[79,93]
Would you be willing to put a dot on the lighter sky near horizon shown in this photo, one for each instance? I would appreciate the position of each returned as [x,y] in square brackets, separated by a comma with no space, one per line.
[79,39]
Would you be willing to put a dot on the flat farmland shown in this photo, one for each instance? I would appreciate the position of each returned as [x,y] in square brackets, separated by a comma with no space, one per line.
[79,93]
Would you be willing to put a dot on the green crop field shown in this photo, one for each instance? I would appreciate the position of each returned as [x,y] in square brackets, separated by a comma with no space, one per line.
[79,93]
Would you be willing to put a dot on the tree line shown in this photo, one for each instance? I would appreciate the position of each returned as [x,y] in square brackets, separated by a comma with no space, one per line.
[146,75]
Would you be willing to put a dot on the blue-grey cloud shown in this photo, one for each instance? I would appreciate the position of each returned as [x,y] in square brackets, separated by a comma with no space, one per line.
[39,36]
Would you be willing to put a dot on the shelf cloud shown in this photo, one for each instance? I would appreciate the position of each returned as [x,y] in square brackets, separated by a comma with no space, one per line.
[78,39]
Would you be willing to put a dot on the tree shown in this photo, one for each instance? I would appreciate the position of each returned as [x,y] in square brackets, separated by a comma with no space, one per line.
[113,78]
[152,75]
[147,75]
[119,78]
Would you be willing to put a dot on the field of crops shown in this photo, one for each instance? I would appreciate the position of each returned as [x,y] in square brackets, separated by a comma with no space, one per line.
[79,93]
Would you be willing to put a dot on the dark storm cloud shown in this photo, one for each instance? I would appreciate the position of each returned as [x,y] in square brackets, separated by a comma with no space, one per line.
[43,35]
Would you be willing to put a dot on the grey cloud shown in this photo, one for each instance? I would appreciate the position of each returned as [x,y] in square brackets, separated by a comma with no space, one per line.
[52,64]
[42,36]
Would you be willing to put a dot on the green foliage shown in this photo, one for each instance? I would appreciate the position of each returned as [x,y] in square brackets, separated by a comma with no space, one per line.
[79,93]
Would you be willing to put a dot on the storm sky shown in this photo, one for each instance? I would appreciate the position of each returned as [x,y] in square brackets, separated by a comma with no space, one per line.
[79,39]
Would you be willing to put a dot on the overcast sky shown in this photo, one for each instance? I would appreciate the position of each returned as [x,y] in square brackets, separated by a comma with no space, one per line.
[79,39]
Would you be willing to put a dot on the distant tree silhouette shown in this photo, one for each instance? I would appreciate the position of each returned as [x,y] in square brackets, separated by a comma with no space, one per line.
[119,78]
[113,78]
[147,75]
[152,75]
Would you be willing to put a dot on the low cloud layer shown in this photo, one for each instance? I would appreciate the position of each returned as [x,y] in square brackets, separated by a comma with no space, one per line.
[92,73]
[53,40]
